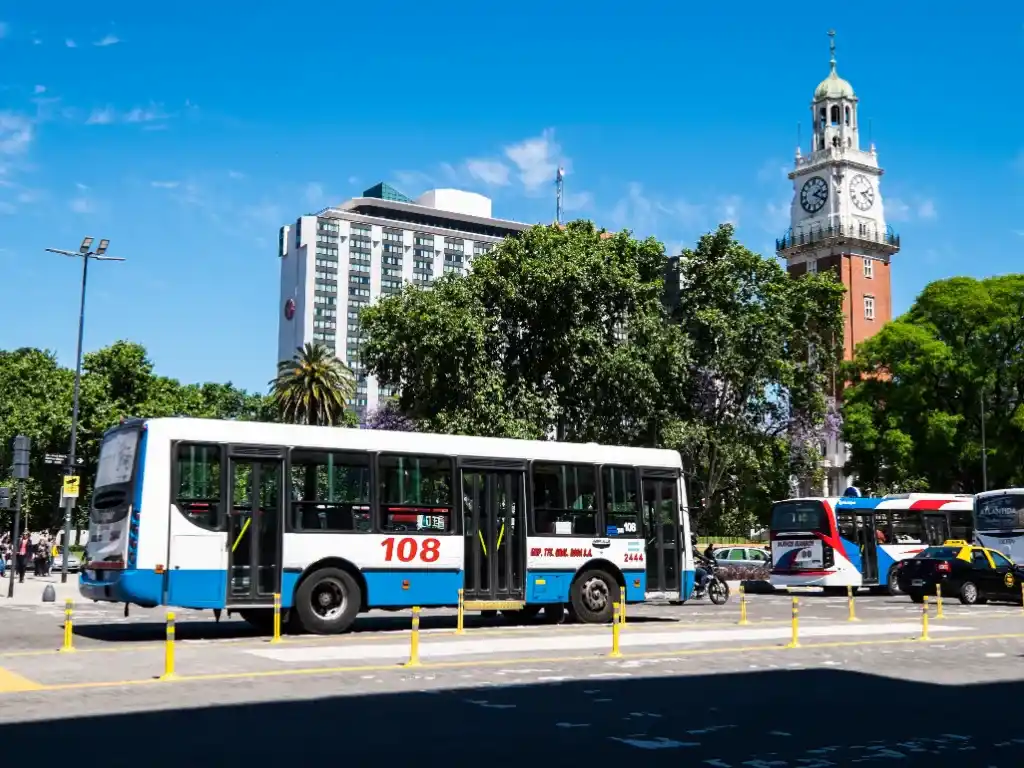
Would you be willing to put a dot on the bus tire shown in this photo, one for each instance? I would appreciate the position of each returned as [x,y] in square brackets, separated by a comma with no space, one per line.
[593,596]
[894,581]
[327,601]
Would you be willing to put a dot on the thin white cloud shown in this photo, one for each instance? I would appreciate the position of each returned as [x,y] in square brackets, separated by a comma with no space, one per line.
[577,201]
[83,205]
[537,160]
[648,215]
[896,209]
[353,180]
[314,194]
[727,209]
[79,185]
[236,175]
[36,41]
[144,114]
[772,171]
[104,116]
[922,209]
[412,182]
[164,184]
[16,133]
[107,40]
[926,210]
[70,43]
[39,89]
[491,172]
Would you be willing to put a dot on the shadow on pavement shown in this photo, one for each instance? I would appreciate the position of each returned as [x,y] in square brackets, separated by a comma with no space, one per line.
[235,628]
[809,718]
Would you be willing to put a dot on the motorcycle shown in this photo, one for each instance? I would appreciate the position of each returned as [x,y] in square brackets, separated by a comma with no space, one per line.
[716,589]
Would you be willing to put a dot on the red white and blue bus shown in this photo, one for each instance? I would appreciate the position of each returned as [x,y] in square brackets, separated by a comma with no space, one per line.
[837,543]
[201,513]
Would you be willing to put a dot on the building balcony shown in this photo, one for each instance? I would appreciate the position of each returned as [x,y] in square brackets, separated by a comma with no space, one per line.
[854,235]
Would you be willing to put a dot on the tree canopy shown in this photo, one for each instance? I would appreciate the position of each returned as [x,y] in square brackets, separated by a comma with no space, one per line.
[562,331]
[314,387]
[923,384]
[117,381]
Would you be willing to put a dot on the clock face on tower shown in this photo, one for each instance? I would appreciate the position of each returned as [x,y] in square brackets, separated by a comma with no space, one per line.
[814,194]
[861,192]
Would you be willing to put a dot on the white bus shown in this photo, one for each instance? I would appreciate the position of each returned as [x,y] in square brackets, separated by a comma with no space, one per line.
[198,513]
[999,522]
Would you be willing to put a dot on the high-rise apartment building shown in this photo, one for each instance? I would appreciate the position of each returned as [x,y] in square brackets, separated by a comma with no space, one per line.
[340,260]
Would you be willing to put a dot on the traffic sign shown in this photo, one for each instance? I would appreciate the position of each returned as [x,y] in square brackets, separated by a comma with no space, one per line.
[61,458]
[71,486]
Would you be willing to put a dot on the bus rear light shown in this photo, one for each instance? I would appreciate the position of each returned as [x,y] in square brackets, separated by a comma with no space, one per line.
[106,565]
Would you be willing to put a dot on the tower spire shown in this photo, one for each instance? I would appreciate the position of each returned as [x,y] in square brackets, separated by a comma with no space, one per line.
[832,49]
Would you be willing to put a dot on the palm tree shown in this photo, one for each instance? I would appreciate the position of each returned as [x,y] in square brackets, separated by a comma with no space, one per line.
[313,387]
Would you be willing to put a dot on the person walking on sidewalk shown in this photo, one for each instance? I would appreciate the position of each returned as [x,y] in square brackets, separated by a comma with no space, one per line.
[22,554]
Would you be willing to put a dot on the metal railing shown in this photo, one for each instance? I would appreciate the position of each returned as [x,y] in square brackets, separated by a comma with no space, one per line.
[820,234]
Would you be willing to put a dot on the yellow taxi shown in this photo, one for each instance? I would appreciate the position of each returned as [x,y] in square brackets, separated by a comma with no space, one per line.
[960,569]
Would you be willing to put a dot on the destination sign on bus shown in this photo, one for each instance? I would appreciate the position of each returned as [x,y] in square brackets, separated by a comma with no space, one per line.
[798,553]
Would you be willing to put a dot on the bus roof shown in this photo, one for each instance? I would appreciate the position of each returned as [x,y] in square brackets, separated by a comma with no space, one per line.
[1001,492]
[914,501]
[339,438]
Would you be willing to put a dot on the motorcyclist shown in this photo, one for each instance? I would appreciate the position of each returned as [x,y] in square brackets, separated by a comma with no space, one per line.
[704,566]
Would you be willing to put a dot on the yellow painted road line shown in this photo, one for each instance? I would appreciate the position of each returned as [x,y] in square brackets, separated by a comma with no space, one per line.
[393,667]
[11,682]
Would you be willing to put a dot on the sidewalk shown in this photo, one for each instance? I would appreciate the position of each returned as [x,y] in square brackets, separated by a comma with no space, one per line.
[30,592]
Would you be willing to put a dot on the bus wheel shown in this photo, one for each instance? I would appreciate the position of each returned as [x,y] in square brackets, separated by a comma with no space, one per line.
[592,597]
[328,601]
[894,581]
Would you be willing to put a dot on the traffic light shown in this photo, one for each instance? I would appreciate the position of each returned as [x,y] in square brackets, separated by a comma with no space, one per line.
[5,498]
[22,445]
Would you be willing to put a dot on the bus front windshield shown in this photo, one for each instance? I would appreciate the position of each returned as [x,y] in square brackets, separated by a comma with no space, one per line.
[1002,512]
[794,516]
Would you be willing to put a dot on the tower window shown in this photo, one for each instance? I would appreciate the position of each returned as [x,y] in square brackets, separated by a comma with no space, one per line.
[812,267]
[869,307]
[821,112]
[847,115]
[835,114]
[869,268]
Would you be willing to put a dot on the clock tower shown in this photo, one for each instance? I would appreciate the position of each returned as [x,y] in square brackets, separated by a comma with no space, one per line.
[837,222]
[837,219]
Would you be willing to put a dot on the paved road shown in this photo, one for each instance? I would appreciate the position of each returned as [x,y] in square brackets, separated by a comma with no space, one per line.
[693,688]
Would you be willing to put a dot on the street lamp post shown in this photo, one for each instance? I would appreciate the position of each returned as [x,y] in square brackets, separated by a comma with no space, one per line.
[85,253]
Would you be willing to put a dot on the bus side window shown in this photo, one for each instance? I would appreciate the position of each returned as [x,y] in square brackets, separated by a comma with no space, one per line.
[907,527]
[564,499]
[416,494]
[621,508]
[330,491]
[197,495]
[847,529]
[883,526]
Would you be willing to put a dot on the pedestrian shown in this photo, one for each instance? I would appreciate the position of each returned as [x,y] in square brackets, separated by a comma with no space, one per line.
[23,554]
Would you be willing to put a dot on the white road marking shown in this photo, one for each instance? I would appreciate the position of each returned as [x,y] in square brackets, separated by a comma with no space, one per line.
[589,642]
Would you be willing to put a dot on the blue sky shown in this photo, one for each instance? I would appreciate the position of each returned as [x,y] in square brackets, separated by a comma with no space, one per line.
[189,137]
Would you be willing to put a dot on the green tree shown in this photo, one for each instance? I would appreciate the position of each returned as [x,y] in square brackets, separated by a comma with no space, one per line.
[922,385]
[313,388]
[558,331]
[763,348]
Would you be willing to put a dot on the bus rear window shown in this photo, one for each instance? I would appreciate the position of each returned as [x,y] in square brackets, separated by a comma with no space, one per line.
[799,516]
[939,553]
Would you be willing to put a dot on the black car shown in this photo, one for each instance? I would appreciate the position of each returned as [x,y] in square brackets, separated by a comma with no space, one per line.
[971,574]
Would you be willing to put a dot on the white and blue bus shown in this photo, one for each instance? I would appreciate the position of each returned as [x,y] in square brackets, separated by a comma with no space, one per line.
[999,522]
[198,513]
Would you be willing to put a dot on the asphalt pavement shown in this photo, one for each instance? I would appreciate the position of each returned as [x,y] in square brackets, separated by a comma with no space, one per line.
[692,687]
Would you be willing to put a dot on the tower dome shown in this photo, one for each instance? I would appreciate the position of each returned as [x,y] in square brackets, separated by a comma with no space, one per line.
[833,86]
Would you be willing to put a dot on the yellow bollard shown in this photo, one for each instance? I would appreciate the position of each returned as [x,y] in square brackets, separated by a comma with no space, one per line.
[743,606]
[460,626]
[795,641]
[414,643]
[277,620]
[924,620]
[938,602]
[616,652]
[68,647]
[849,597]
[169,650]
[622,606]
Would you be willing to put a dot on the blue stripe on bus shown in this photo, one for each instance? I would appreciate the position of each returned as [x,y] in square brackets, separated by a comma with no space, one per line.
[885,562]
[140,472]
[853,554]
[412,587]
[688,582]
[548,586]
[862,503]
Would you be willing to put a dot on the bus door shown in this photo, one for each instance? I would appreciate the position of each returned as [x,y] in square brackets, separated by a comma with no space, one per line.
[255,524]
[494,529]
[661,530]
[867,542]
[936,528]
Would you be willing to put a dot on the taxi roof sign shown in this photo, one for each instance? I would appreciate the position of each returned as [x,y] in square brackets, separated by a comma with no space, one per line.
[955,543]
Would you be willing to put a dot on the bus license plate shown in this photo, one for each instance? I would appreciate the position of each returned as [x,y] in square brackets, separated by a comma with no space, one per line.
[918,582]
